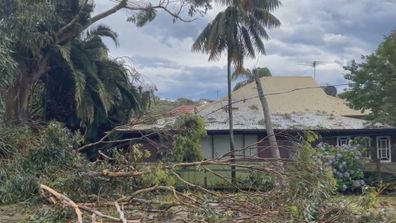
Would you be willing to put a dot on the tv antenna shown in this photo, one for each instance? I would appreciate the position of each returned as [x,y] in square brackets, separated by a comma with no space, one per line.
[316,63]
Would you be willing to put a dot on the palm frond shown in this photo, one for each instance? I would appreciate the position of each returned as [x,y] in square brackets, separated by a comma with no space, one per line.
[241,84]
[103,31]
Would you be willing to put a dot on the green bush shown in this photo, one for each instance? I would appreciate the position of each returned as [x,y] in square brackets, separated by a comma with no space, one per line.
[257,181]
[16,140]
[52,155]
[187,145]
[346,162]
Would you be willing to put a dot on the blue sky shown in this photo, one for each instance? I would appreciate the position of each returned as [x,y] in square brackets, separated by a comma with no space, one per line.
[322,30]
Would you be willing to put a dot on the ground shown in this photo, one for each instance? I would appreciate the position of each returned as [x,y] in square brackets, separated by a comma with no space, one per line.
[20,212]
[389,203]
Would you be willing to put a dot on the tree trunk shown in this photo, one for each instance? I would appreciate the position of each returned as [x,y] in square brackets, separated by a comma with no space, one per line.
[18,96]
[267,118]
[17,100]
[230,119]
[268,126]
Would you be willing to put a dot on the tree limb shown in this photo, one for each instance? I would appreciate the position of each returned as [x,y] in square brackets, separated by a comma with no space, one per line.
[122,4]
[64,200]
[73,21]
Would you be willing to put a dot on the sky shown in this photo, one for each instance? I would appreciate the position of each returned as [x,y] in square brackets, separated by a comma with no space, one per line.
[331,31]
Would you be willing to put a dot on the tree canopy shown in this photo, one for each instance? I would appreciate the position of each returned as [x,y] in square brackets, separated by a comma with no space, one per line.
[41,30]
[374,82]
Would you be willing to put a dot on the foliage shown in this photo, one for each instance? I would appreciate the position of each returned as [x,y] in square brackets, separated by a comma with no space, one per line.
[53,42]
[162,107]
[347,164]
[312,184]
[187,146]
[8,66]
[311,195]
[53,152]
[248,76]
[16,140]
[258,181]
[90,91]
[308,195]
[374,81]
[238,30]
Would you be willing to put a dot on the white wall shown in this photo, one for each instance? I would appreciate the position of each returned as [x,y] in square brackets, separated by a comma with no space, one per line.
[221,145]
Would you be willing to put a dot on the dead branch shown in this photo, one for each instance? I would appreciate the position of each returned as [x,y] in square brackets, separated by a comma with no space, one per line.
[107,173]
[102,141]
[120,212]
[65,200]
[193,185]
[222,177]
[98,213]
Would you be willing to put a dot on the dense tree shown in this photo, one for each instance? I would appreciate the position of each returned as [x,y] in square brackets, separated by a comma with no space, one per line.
[374,82]
[248,76]
[88,89]
[40,28]
[238,30]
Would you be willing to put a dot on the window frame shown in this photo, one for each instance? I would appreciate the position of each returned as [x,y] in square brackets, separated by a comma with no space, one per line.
[340,137]
[389,141]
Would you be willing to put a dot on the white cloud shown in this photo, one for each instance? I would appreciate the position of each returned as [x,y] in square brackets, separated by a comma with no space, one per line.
[322,30]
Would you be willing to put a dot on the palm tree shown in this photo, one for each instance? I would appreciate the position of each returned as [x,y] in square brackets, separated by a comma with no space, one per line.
[248,76]
[88,90]
[238,30]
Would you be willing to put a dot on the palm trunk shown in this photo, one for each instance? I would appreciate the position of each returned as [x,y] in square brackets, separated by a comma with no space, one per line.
[268,123]
[232,147]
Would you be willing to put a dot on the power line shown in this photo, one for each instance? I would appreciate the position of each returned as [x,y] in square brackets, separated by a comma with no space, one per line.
[273,93]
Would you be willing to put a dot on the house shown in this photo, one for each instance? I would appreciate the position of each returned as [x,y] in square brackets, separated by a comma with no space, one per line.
[297,104]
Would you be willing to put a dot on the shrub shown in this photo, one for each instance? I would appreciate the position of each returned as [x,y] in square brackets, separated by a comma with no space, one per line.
[16,140]
[310,184]
[52,155]
[257,181]
[310,195]
[187,145]
[347,164]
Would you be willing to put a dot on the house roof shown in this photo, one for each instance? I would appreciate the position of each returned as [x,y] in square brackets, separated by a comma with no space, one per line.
[287,95]
[296,103]
[182,110]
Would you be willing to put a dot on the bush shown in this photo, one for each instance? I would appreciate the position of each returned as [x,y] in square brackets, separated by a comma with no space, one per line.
[52,155]
[257,181]
[311,192]
[187,145]
[16,140]
[347,164]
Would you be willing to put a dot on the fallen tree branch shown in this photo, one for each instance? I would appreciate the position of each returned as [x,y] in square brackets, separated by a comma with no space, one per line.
[65,200]
[107,173]
[120,212]
[193,185]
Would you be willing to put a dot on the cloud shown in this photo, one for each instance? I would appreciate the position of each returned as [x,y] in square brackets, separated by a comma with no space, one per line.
[320,30]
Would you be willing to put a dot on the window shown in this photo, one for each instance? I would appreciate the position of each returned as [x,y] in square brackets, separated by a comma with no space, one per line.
[343,140]
[384,148]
